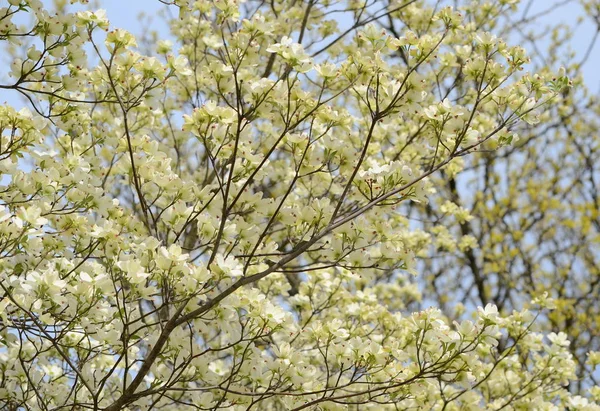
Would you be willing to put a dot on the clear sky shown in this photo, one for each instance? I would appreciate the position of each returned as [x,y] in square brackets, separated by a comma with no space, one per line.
[125,13]
[584,32]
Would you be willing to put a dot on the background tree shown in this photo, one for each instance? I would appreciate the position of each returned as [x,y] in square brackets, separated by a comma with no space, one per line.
[226,221]
[524,220]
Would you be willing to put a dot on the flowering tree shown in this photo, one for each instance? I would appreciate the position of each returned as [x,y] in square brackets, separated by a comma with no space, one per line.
[222,221]
[523,221]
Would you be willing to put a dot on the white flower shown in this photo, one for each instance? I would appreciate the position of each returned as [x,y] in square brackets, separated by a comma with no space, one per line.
[560,339]
[293,53]
[181,65]
[490,313]
[228,267]
[134,270]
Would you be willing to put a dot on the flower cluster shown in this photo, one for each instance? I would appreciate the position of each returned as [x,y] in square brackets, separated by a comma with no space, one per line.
[225,220]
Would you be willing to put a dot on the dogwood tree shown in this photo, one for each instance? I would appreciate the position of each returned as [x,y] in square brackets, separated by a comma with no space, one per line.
[222,219]
[523,221]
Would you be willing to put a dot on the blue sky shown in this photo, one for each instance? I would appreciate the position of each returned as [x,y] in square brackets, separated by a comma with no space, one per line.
[124,13]
[583,33]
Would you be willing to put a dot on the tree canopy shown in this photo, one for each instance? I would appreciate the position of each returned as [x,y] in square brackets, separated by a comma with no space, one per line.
[298,204]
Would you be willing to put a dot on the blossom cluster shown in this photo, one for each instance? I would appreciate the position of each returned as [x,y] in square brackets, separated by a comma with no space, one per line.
[218,221]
